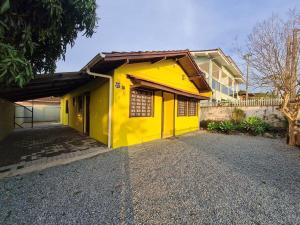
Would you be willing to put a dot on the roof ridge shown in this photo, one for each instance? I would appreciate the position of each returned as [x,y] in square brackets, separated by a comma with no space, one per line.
[147,51]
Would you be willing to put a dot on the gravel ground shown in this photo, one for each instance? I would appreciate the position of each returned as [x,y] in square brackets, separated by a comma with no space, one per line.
[196,179]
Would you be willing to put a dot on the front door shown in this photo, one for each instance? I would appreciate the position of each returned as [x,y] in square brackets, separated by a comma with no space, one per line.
[168,114]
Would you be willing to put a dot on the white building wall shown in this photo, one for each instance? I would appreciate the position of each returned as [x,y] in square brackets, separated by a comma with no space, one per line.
[209,66]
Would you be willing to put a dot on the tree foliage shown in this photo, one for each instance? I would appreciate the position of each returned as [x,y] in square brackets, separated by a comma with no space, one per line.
[34,34]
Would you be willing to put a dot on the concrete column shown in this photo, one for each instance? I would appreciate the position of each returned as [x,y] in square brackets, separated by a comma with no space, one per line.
[233,86]
[210,74]
[237,89]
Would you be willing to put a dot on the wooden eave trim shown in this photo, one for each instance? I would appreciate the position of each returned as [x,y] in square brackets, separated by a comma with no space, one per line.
[142,56]
[147,83]
[159,59]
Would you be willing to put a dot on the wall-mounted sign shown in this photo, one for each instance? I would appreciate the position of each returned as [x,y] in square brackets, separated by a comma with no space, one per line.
[117,84]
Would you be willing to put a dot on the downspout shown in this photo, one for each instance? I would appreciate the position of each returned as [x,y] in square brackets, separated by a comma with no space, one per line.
[88,71]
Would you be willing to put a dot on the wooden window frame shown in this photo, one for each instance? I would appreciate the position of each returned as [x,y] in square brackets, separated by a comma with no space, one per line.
[151,106]
[183,99]
[191,100]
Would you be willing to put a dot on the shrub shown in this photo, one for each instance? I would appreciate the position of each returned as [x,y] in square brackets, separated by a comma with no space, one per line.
[254,125]
[238,115]
[223,126]
[212,126]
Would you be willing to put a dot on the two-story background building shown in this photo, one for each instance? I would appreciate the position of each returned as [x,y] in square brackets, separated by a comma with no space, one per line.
[222,74]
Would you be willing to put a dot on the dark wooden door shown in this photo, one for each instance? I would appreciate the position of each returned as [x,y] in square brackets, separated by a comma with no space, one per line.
[87,114]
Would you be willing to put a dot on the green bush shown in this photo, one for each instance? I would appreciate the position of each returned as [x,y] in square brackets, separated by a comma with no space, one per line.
[212,126]
[254,125]
[238,115]
[223,126]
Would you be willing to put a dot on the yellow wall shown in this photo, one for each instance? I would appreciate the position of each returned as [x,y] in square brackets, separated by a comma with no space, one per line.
[185,124]
[7,113]
[166,72]
[128,131]
[133,130]
[98,109]
[99,113]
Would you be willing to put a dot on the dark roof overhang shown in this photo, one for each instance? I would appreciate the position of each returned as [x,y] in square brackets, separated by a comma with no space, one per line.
[57,84]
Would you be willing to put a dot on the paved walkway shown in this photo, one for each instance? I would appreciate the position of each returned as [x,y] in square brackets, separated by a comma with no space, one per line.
[29,149]
[196,179]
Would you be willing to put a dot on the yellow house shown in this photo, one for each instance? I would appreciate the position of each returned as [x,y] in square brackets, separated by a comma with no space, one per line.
[135,97]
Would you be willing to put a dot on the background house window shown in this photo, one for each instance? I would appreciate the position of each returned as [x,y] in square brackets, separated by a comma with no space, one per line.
[192,108]
[141,103]
[215,85]
[181,106]
[224,89]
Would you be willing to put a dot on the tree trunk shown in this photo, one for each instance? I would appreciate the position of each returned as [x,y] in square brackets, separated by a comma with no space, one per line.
[292,132]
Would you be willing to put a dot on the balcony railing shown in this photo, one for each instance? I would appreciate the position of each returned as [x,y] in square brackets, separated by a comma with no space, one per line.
[216,85]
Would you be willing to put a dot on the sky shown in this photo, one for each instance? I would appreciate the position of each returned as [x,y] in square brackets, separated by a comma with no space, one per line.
[138,25]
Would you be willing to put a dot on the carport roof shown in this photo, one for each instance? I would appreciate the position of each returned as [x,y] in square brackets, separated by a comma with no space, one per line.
[56,84]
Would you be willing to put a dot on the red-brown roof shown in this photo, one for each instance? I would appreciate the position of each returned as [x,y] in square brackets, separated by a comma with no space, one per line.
[109,61]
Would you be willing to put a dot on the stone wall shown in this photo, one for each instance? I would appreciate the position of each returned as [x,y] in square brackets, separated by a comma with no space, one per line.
[7,113]
[269,113]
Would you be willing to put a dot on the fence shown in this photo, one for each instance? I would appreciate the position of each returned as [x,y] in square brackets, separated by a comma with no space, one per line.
[245,103]
[23,114]
[28,115]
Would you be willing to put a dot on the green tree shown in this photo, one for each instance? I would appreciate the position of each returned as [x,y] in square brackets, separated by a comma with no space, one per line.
[34,34]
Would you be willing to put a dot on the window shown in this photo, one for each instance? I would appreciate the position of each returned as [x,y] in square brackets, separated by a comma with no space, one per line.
[224,89]
[67,106]
[181,106]
[192,107]
[141,103]
[215,85]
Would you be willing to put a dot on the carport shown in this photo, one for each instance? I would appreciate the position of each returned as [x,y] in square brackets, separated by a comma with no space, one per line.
[41,86]
[28,147]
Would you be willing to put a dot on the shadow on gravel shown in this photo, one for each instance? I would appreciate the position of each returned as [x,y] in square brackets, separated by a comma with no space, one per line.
[92,191]
[27,145]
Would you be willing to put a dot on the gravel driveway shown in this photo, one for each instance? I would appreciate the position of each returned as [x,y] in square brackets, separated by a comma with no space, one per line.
[196,179]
